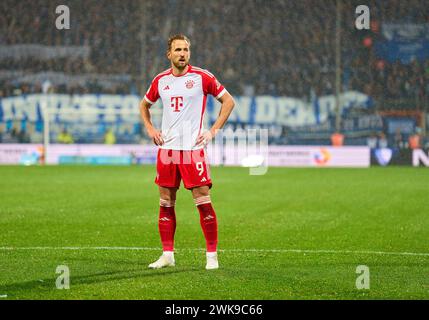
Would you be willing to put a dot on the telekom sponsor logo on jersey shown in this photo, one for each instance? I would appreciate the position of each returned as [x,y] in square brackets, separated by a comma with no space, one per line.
[176,103]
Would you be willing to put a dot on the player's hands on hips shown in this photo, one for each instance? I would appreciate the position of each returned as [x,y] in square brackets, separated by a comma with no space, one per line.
[204,138]
[156,136]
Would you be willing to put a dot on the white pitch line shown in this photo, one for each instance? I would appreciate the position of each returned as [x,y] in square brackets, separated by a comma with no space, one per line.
[423,254]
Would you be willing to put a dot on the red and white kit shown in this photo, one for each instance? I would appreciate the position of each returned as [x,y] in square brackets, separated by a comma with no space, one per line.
[184,102]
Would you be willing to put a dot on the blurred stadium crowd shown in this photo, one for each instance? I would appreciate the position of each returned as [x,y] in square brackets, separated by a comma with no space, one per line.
[286,48]
[255,47]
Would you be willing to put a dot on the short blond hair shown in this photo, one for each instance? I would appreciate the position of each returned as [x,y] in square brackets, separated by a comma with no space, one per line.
[177,37]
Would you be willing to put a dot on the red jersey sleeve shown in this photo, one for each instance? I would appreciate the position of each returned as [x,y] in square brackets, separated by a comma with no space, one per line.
[152,94]
[212,86]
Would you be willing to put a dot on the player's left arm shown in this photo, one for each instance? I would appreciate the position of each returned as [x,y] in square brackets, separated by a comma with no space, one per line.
[228,104]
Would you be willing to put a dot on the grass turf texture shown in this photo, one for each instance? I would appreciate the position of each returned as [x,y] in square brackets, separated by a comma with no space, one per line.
[377,209]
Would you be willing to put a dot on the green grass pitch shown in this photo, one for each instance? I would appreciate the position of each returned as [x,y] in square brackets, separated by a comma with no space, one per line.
[322,223]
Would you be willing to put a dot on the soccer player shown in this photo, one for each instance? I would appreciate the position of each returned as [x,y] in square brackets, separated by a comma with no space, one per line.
[183,90]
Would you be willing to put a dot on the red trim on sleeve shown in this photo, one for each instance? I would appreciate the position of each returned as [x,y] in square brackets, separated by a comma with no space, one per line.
[210,83]
[152,94]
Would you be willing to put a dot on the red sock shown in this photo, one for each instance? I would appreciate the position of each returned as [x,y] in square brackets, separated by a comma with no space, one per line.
[167,225]
[208,222]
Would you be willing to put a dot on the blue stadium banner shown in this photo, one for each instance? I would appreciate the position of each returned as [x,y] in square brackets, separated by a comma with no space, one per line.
[403,42]
[118,109]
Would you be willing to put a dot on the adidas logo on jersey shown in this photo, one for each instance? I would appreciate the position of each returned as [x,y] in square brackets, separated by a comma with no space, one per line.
[166,87]
[203,179]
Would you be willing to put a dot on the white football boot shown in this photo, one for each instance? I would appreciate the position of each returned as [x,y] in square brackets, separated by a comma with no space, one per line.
[166,260]
[212,262]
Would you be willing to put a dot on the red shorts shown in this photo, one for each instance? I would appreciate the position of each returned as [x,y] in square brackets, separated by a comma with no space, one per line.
[174,165]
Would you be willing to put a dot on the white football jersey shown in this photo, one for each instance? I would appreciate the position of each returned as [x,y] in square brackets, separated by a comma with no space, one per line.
[184,102]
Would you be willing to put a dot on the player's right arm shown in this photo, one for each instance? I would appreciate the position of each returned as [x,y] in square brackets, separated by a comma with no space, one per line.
[153,133]
[151,96]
